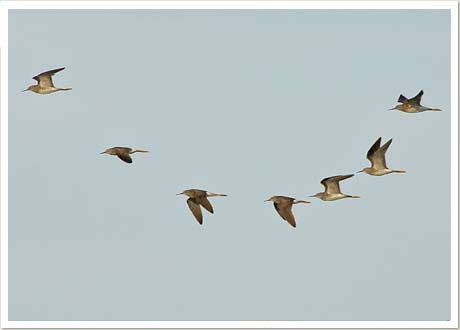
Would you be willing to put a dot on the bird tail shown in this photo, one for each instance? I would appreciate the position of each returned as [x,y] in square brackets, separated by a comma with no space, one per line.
[139,150]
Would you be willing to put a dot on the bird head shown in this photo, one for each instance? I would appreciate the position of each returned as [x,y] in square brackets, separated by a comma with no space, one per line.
[30,88]
[398,107]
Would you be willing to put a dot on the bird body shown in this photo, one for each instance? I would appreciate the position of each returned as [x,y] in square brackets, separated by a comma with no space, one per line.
[332,189]
[45,83]
[378,172]
[410,108]
[332,196]
[199,198]
[123,153]
[412,105]
[283,205]
[376,155]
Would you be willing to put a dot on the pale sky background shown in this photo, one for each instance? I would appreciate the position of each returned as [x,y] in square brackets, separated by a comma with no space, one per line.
[248,103]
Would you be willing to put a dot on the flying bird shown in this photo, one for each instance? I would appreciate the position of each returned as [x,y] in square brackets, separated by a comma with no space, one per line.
[332,189]
[123,153]
[45,83]
[283,205]
[412,105]
[199,198]
[376,156]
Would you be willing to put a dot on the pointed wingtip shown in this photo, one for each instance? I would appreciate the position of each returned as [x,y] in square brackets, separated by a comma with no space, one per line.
[402,98]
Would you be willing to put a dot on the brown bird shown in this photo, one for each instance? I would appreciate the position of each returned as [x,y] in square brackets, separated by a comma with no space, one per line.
[283,205]
[196,198]
[412,105]
[45,83]
[332,189]
[123,153]
[376,156]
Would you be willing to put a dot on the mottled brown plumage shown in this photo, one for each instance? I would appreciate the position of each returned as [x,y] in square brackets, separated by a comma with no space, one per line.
[376,156]
[283,205]
[332,189]
[123,153]
[199,198]
[45,83]
[412,105]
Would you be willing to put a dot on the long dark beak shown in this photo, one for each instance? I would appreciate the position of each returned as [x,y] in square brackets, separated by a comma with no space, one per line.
[25,90]
[102,153]
[179,194]
[267,200]
[360,171]
[391,109]
[312,196]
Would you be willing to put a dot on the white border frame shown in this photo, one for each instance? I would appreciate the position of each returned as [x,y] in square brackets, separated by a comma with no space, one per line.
[260,4]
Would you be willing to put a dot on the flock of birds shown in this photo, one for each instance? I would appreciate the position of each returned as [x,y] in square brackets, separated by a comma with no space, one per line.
[199,198]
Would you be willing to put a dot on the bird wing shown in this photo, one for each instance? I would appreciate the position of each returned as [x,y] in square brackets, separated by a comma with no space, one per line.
[203,201]
[373,149]
[378,159]
[332,183]
[125,157]
[196,210]
[417,98]
[402,99]
[44,78]
[284,209]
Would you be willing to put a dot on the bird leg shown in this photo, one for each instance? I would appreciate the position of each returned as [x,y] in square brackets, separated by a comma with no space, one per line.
[138,150]
[297,201]
[210,194]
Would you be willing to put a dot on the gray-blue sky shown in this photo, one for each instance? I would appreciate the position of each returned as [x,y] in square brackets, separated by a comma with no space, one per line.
[248,103]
